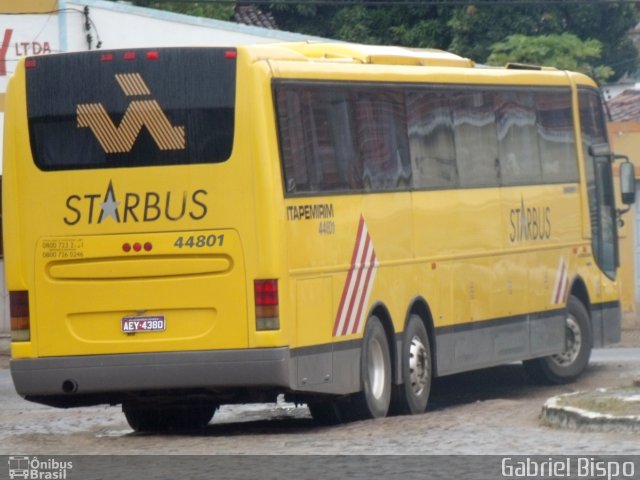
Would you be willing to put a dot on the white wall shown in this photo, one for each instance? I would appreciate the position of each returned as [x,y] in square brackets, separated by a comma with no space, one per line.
[120,26]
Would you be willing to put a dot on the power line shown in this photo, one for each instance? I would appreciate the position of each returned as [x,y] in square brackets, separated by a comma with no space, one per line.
[89,23]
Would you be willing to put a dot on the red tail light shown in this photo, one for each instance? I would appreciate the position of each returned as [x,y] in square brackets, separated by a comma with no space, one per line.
[266,300]
[266,292]
[20,321]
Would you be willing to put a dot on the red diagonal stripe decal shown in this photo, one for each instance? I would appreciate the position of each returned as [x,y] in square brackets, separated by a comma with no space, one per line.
[358,284]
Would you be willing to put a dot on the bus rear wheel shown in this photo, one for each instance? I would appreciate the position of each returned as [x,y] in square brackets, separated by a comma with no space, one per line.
[412,395]
[566,366]
[158,417]
[375,370]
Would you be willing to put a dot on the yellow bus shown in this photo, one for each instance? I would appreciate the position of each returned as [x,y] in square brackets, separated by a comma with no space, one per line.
[191,227]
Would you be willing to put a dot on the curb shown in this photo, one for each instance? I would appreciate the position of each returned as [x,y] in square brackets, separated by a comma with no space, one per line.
[603,413]
[5,344]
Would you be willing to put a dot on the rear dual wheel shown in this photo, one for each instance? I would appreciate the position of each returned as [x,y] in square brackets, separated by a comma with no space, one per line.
[412,395]
[376,369]
[378,396]
[375,372]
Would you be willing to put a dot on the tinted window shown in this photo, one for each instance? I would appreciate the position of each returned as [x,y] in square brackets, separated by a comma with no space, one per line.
[431,139]
[354,137]
[475,138]
[517,132]
[317,139]
[382,140]
[103,110]
[342,138]
[556,136]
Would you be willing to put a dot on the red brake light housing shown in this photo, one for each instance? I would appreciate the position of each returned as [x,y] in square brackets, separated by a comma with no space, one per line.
[267,304]
[20,318]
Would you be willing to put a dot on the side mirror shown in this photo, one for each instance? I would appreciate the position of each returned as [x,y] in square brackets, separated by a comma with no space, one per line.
[628,182]
[600,150]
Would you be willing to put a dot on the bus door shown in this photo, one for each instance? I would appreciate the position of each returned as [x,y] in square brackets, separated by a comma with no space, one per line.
[602,214]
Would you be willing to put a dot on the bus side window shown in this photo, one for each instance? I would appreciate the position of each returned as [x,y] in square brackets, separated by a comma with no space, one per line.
[382,140]
[292,143]
[517,138]
[317,143]
[556,137]
[475,138]
[431,139]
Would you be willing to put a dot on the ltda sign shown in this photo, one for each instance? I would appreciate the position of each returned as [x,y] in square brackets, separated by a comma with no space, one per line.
[36,33]
[12,51]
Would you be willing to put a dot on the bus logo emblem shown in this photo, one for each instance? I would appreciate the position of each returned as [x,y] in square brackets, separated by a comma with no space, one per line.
[140,113]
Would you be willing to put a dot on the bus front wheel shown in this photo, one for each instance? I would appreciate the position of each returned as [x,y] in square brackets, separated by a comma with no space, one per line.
[566,366]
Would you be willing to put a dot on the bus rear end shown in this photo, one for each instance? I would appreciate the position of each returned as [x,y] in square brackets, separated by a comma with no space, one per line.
[125,208]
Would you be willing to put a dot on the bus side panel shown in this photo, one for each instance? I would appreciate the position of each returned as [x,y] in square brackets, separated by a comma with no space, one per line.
[507,302]
[478,313]
[338,283]
[14,136]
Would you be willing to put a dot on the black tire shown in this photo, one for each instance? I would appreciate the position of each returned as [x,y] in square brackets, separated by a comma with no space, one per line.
[156,417]
[412,396]
[567,366]
[327,412]
[375,373]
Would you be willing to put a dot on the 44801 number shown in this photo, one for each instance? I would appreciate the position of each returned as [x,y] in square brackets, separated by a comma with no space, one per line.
[199,241]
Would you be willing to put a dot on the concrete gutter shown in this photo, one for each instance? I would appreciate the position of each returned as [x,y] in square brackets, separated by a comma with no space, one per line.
[604,410]
[5,343]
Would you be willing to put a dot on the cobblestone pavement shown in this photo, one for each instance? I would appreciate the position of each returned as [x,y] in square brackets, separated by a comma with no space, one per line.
[493,411]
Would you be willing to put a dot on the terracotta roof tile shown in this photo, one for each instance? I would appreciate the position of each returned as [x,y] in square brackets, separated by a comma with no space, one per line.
[625,107]
[252,15]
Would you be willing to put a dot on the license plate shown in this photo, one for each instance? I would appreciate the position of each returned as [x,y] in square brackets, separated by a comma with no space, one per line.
[154,323]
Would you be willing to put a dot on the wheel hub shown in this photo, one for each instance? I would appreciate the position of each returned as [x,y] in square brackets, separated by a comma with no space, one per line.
[376,369]
[572,345]
[418,366]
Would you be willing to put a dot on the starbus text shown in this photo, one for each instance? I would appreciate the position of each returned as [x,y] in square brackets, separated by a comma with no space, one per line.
[133,207]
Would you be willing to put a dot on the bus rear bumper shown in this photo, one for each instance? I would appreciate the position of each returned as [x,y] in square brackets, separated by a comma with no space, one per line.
[109,376]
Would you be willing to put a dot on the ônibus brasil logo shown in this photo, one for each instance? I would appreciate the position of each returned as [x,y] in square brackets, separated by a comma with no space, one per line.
[38,469]
[133,207]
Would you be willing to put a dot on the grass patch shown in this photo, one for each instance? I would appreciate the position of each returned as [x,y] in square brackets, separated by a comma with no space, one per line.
[607,403]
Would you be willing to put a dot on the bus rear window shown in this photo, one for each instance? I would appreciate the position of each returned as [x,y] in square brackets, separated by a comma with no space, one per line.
[131,108]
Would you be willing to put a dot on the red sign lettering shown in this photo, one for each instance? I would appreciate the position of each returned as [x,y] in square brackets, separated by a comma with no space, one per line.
[3,51]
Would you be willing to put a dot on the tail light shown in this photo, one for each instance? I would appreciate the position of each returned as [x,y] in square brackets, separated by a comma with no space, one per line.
[20,322]
[267,310]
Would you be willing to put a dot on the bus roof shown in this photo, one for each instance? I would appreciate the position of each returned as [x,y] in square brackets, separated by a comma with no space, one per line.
[307,54]
[358,53]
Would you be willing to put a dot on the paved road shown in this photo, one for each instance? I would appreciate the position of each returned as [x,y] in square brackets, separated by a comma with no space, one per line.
[493,411]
